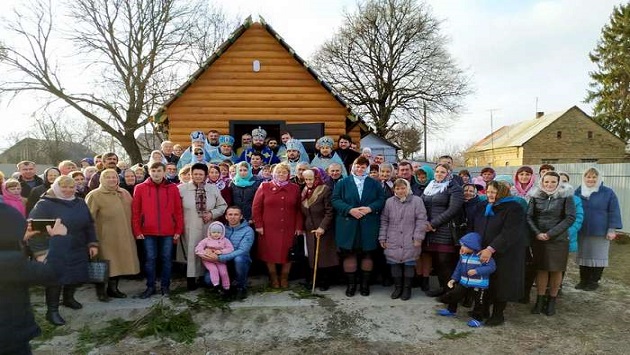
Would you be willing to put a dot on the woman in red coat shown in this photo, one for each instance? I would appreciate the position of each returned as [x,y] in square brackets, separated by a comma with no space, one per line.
[277,218]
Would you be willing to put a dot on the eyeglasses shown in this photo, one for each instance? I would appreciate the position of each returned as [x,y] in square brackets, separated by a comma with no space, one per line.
[198,153]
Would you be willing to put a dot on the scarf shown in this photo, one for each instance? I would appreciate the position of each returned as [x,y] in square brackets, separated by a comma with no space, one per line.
[318,181]
[200,198]
[48,184]
[277,182]
[522,191]
[490,212]
[12,200]
[57,192]
[244,181]
[219,183]
[435,187]
[586,191]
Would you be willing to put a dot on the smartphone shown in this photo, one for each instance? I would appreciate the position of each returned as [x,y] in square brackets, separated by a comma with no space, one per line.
[41,223]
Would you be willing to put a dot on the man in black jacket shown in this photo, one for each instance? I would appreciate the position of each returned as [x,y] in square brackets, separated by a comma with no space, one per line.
[28,177]
[17,323]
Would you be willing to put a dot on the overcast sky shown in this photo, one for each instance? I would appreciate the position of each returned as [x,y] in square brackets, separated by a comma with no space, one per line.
[516,52]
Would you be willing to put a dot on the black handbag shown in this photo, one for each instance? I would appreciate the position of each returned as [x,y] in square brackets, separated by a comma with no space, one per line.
[296,251]
[98,271]
[457,231]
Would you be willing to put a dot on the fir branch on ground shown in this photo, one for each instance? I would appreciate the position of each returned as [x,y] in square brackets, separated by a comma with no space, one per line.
[453,334]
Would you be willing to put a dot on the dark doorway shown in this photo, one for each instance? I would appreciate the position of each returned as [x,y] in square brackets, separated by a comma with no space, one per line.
[307,133]
[238,128]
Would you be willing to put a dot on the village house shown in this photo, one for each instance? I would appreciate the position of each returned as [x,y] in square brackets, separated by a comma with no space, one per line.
[256,79]
[569,136]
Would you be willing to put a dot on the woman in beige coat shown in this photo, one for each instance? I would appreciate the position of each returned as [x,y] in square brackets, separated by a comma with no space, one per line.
[202,204]
[110,206]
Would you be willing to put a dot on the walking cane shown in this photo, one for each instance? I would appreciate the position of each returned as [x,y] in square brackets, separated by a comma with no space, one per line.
[316,261]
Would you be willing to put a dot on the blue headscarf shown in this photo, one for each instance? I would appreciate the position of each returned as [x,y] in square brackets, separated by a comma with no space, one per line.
[490,212]
[244,181]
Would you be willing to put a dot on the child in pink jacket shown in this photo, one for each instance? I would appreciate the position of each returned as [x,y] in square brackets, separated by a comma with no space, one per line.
[218,244]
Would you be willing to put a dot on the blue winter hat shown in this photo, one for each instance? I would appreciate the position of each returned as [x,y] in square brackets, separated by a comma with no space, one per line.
[472,241]
[216,227]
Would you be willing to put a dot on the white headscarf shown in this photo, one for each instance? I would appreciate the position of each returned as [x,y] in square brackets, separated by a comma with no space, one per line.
[57,191]
[587,191]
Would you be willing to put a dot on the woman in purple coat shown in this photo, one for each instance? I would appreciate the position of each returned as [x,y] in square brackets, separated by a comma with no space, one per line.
[401,234]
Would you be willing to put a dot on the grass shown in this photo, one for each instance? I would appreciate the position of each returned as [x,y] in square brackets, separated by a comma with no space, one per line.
[160,320]
[618,270]
[205,300]
[300,292]
[49,331]
[453,334]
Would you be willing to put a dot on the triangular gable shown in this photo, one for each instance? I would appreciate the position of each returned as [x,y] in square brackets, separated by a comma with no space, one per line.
[160,116]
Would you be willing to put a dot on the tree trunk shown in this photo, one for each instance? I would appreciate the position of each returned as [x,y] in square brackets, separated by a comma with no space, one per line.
[130,144]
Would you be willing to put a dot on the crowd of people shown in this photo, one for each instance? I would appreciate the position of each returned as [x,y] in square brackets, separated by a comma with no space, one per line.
[216,210]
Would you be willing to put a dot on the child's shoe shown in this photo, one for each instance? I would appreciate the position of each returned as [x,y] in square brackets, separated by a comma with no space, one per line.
[473,323]
[445,313]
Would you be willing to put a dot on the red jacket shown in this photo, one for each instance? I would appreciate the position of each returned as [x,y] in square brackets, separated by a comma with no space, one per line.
[157,209]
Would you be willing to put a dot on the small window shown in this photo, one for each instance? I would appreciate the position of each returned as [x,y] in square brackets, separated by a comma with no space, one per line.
[549,161]
[590,134]
[590,160]
[559,134]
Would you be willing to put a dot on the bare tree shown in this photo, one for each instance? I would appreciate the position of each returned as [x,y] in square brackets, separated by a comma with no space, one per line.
[408,138]
[388,59]
[133,54]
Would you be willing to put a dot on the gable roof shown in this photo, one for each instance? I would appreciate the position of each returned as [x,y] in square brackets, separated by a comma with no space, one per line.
[518,134]
[160,116]
[39,151]
[374,140]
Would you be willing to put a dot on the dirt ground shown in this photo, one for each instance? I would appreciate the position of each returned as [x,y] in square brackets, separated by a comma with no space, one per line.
[291,322]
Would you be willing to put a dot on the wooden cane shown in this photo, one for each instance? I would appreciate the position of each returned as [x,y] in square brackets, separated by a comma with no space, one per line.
[316,262]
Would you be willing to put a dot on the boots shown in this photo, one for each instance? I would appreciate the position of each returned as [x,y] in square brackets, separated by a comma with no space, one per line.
[323,280]
[497,314]
[398,288]
[584,274]
[100,292]
[52,304]
[351,283]
[113,291]
[595,273]
[424,283]
[68,297]
[191,284]
[406,293]
[551,306]
[364,289]
[540,304]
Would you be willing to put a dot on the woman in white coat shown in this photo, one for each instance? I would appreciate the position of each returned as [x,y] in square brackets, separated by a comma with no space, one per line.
[203,204]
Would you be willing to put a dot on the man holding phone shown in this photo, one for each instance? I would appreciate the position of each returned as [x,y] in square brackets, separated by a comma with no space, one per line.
[157,218]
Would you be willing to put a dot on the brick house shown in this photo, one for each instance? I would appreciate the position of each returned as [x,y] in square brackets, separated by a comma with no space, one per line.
[569,136]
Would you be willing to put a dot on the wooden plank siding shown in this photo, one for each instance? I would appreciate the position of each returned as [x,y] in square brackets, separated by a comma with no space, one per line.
[283,90]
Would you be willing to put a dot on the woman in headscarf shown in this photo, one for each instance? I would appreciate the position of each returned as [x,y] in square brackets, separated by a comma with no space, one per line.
[278,218]
[501,222]
[444,200]
[80,184]
[203,204]
[550,214]
[214,178]
[110,206]
[50,175]
[601,217]
[422,177]
[318,224]
[128,180]
[244,186]
[60,202]
[524,180]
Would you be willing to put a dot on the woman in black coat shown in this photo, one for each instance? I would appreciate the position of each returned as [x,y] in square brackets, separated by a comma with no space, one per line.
[81,244]
[244,186]
[444,200]
[501,222]
[17,323]
[50,175]
[550,213]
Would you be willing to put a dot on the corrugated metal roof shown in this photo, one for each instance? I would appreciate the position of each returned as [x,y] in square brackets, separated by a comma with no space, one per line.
[519,133]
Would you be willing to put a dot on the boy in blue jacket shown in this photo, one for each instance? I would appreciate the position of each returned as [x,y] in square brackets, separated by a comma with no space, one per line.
[471,275]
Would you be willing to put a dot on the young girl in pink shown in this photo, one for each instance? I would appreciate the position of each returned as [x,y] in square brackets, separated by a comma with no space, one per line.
[11,193]
[218,244]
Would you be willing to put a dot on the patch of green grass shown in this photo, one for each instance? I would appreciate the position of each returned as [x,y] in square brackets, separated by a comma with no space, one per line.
[263,288]
[204,301]
[160,321]
[453,334]
[49,331]
[301,292]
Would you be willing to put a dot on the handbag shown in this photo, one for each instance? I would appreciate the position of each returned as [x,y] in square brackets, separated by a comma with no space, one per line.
[296,251]
[457,231]
[98,271]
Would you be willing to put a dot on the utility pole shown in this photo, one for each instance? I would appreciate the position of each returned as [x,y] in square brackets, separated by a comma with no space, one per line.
[424,130]
[492,132]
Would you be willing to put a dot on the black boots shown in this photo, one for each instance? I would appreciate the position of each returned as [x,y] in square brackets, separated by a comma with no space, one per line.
[364,289]
[191,283]
[594,274]
[398,288]
[584,276]
[497,314]
[101,295]
[406,292]
[351,283]
[112,289]
[150,291]
[550,310]
[424,283]
[52,304]
[68,297]
[541,303]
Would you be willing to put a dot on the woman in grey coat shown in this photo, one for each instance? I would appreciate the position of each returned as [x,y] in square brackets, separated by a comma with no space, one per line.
[550,213]
[402,231]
